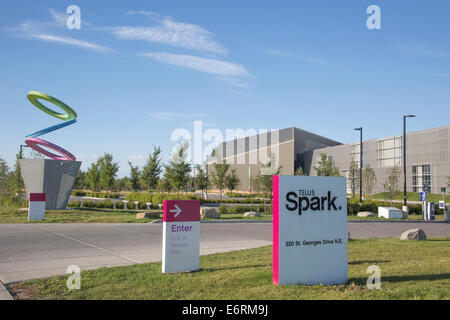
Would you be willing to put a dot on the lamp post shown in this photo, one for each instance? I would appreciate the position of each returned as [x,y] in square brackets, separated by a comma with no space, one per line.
[360,129]
[405,206]
[21,149]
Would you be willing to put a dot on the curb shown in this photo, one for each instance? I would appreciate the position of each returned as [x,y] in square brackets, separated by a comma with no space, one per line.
[4,293]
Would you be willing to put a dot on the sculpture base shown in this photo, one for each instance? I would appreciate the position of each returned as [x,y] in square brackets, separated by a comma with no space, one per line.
[55,178]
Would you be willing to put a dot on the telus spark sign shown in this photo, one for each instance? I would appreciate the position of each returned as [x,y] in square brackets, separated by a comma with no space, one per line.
[309,230]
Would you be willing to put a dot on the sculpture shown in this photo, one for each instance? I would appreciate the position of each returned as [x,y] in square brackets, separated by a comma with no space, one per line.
[69,117]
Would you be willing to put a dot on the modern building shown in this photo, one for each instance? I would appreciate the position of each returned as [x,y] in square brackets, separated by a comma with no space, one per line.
[427,156]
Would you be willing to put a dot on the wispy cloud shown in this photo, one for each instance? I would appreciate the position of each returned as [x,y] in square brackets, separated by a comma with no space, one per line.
[212,66]
[175,115]
[171,32]
[43,31]
[60,18]
[295,56]
[72,42]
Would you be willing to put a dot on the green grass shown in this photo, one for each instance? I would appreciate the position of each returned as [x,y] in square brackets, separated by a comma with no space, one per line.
[8,215]
[85,215]
[412,196]
[409,270]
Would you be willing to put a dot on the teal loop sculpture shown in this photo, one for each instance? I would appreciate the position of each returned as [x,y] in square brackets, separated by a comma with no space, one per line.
[69,117]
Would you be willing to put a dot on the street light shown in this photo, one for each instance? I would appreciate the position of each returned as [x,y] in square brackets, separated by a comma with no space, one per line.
[21,148]
[360,129]
[405,206]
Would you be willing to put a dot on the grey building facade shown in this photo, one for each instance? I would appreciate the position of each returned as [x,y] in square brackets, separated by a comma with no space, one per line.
[427,160]
[248,154]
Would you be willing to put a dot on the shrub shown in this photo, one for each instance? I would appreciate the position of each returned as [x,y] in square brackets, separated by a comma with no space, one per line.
[242,209]
[131,205]
[222,209]
[89,204]
[142,205]
[78,193]
[105,204]
[120,204]
[12,201]
[74,204]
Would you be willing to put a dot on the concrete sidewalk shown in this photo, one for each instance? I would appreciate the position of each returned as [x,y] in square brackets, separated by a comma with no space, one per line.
[4,293]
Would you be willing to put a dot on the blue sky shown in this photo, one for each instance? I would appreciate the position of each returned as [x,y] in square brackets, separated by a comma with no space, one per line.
[138,70]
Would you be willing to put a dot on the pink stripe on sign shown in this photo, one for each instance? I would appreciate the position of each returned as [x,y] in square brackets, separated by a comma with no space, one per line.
[37,196]
[276,229]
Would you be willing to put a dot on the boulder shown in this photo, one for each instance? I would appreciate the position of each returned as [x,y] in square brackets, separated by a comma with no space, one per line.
[209,213]
[151,215]
[252,214]
[365,214]
[413,234]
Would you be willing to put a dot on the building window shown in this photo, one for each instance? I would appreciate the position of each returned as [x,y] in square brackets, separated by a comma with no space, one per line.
[389,152]
[355,153]
[421,174]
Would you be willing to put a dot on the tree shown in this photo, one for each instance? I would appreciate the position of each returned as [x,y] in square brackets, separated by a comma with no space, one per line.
[122,184]
[219,176]
[80,182]
[232,180]
[135,177]
[299,172]
[108,171]
[353,176]
[16,178]
[392,182]
[152,169]
[93,177]
[264,182]
[267,179]
[201,179]
[178,169]
[35,155]
[4,176]
[369,180]
[163,185]
[326,167]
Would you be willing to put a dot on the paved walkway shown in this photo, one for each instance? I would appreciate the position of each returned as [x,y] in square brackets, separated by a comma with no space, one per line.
[30,251]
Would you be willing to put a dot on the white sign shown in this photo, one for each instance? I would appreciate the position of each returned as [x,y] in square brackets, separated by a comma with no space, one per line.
[181,236]
[309,230]
[441,204]
[36,208]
